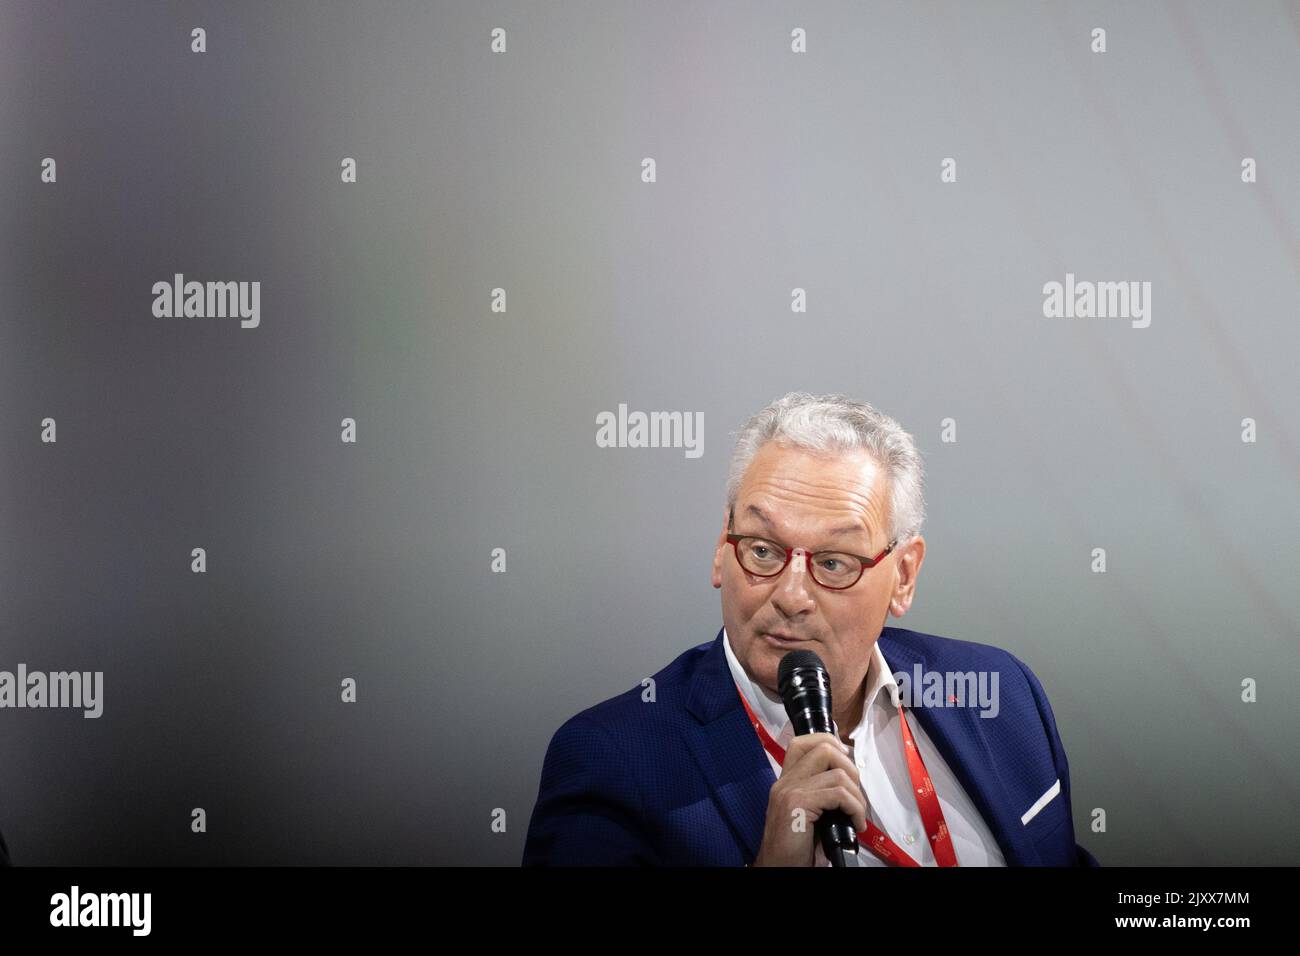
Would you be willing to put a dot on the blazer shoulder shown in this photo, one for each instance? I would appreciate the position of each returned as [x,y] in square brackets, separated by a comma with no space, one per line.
[1019,689]
[667,686]
[606,765]
[939,651]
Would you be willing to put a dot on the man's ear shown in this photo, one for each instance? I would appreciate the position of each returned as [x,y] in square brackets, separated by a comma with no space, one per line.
[721,550]
[910,558]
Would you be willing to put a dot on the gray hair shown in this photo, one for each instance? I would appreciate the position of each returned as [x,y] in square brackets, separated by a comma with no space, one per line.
[829,423]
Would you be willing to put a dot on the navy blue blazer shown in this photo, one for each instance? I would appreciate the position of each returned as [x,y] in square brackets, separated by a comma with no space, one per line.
[684,781]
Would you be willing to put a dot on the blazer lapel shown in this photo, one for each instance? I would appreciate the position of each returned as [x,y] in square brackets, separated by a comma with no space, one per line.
[961,736]
[727,750]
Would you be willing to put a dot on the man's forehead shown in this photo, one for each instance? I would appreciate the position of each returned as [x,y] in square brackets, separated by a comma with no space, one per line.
[845,491]
[773,519]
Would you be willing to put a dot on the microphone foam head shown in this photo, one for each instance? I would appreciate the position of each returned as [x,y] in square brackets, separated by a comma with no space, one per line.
[795,660]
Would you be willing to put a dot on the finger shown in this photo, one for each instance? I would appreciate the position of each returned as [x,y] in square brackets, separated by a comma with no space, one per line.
[814,757]
[806,741]
[837,776]
[835,796]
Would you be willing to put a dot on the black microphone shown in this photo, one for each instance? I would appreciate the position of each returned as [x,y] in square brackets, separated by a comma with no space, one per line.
[805,688]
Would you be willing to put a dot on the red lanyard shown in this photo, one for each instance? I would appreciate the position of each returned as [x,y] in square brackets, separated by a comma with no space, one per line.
[926,800]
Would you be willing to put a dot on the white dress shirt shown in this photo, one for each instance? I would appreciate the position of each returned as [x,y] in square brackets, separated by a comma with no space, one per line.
[882,767]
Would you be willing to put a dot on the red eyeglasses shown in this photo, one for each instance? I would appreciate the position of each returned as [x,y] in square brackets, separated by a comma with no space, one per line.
[835,570]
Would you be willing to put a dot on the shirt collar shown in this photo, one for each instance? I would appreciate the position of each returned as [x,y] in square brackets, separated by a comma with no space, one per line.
[771,710]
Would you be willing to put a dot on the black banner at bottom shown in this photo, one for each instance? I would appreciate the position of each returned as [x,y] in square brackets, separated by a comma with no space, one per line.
[337,905]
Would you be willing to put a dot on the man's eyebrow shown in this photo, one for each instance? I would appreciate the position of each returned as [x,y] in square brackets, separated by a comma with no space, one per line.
[758,513]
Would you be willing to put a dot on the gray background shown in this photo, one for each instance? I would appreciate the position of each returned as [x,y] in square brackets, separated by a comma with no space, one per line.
[477,430]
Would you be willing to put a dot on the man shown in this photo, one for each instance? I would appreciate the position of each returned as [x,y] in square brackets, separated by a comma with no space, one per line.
[820,543]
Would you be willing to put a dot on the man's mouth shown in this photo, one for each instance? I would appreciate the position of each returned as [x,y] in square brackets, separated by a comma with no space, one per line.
[783,640]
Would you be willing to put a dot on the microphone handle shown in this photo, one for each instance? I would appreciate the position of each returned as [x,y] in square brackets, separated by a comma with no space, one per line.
[834,828]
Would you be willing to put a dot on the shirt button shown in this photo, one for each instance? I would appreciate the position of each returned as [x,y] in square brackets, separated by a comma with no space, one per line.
[908,838]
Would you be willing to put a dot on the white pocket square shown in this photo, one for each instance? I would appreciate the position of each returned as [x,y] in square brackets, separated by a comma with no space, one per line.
[1042,801]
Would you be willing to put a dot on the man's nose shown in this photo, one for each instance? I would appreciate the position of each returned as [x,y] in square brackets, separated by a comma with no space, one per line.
[794,588]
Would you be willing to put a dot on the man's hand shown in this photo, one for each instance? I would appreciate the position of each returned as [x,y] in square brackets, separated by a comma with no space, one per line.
[818,775]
